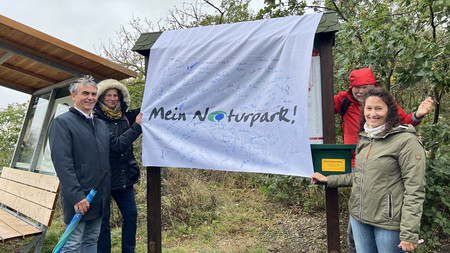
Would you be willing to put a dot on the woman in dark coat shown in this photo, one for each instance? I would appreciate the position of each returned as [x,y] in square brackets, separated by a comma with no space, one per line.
[112,108]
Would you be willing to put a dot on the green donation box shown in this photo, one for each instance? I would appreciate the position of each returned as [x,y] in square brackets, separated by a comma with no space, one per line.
[332,159]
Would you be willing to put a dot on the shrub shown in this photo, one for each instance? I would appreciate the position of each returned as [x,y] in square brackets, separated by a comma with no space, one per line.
[186,200]
[293,191]
[435,221]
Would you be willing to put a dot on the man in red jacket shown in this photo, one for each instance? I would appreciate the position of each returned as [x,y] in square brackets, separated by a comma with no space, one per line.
[360,81]
[348,104]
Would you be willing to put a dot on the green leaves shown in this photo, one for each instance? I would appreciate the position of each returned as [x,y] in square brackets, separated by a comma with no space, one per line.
[11,119]
[436,140]
[279,8]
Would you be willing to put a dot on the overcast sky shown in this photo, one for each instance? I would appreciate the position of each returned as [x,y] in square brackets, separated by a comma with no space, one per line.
[83,23]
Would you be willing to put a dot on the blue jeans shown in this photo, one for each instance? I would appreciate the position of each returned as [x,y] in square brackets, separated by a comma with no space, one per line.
[370,239]
[84,237]
[127,205]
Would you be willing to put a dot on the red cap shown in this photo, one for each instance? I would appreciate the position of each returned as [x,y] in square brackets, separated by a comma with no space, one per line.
[362,77]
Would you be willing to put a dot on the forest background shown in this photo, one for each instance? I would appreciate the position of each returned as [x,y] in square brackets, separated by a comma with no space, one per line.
[405,43]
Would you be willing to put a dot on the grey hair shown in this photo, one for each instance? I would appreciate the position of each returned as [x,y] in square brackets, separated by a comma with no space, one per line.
[85,81]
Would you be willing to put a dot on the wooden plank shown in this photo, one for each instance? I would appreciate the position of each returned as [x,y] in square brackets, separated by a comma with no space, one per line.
[326,68]
[47,80]
[154,210]
[6,231]
[47,182]
[13,227]
[30,209]
[33,194]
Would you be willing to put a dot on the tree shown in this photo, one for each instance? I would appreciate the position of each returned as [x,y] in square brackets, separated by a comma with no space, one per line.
[11,120]
[209,12]
[404,42]
[430,48]
[279,8]
[120,52]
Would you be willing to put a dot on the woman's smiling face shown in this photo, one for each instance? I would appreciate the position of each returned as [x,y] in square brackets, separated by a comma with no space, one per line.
[375,111]
[111,98]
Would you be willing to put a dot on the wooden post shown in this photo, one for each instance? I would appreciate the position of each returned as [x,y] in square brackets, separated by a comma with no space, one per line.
[154,210]
[329,136]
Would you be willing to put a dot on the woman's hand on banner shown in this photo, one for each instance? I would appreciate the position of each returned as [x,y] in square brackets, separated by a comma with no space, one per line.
[139,118]
[317,177]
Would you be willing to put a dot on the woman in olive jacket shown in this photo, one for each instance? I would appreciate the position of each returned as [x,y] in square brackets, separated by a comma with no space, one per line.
[388,183]
[112,108]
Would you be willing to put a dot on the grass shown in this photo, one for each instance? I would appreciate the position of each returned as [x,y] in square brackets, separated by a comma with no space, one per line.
[206,211]
[233,225]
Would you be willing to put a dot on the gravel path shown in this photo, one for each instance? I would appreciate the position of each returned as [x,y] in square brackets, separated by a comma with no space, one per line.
[306,232]
[303,232]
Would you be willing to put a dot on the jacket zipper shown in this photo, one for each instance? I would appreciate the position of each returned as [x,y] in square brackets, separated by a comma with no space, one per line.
[361,198]
[390,207]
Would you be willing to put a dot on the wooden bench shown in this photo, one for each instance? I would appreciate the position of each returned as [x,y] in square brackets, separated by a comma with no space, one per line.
[27,205]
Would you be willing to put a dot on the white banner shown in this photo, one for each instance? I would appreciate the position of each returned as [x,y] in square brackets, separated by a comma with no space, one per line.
[231,97]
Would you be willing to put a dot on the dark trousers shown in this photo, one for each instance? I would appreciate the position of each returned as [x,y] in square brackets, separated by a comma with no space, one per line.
[127,205]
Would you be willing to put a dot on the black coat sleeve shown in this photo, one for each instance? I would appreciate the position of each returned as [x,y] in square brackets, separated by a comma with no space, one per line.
[122,142]
[132,114]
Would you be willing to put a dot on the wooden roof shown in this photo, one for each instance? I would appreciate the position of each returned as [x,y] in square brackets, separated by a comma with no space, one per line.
[31,60]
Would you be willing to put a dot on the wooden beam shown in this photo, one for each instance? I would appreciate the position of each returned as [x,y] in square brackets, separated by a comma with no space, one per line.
[329,137]
[43,59]
[326,68]
[29,73]
[154,210]
[14,86]
[5,56]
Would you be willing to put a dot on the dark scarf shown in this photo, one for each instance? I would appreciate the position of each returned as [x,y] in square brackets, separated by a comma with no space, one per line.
[112,114]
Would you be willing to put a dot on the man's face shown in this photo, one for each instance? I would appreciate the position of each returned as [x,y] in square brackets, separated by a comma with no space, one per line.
[85,99]
[358,91]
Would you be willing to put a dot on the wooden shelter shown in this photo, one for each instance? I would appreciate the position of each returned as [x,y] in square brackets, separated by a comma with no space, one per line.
[43,66]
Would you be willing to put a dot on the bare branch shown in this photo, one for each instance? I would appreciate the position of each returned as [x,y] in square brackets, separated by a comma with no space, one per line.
[433,25]
[338,11]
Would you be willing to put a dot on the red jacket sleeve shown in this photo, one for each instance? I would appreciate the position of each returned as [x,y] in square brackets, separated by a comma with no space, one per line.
[406,118]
